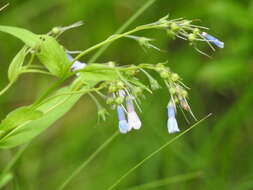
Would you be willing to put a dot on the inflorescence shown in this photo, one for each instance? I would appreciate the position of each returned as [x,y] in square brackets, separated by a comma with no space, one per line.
[124,88]
[125,92]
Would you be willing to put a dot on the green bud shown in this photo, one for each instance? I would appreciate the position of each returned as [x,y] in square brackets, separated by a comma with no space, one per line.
[174,27]
[196,31]
[192,37]
[159,67]
[171,34]
[119,100]
[165,74]
[172,90]
[56,30]
[154,84]
[111,64]
[174,77]
[110,101]
[184,93]
[120,85]
[112,88]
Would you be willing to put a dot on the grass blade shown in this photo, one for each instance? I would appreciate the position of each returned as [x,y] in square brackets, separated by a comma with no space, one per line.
[166,181]
[86,162]
[156,152]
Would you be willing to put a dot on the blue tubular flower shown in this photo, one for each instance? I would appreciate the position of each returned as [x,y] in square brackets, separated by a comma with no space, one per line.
[172,122]
[123,125]
[77,65]
[133,119]
[213,40]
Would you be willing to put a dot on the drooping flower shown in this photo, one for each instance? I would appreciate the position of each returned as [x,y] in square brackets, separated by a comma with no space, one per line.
[133,119]
[123,125]
[172,122]
[213,40]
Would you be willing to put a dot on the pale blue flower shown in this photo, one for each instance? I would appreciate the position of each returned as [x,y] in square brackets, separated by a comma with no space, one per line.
[172,122]
[213,40]
[133,119]
[123,125]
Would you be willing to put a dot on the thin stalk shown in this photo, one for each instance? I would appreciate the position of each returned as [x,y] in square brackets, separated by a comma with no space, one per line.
[5,88]
[112,39]
[86,162]
[2,8]
[123,27]
[37,71]
[166,181]
[14,159]
[156,152]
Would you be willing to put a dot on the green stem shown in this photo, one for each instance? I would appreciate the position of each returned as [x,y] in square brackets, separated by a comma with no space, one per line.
[86,162]
[31,60]
[68,93]
[166,181]
[123,27]
[5,88]
[2,8]
[14,160]
[156,152]
[36,71]
[112,39]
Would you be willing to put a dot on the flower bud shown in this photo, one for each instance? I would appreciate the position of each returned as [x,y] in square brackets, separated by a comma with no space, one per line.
[56,30]
[172,91]
[110,101]
[196,31]
[112,88]
[165,74]
[192,37]
[119,100]
[174,27]
[174,77]
[120,85]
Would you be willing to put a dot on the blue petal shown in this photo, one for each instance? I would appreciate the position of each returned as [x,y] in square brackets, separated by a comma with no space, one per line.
[213,40]
[123,126]
[172,125]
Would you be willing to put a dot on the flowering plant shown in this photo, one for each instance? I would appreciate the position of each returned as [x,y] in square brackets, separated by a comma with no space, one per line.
[120,86]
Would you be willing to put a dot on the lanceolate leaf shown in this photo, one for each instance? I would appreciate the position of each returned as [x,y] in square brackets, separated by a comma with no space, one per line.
[15,67]
[30,39]
[53,110]
[97,73]
[52,55]
[18,117]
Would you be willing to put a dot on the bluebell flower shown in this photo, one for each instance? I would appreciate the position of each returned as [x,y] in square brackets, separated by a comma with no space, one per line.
[133,119]
[172,122]
[77,65]
[213,40]
[123,125]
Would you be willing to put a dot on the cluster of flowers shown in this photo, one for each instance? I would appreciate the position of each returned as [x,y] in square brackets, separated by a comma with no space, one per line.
[123,95]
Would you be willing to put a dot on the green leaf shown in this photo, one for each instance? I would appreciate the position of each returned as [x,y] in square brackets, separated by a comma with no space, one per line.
[98,73]
[53,56]
[53,110]
[15,67]
[18,117]
[30,39]
[5,179]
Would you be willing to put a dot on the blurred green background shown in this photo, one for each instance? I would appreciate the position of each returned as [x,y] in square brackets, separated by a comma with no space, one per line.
[221,147]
